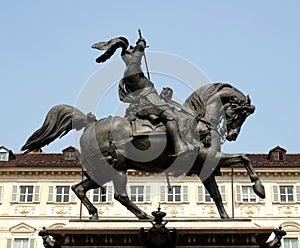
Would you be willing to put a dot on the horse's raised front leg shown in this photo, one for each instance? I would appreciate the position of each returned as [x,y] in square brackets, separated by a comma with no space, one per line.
[80,190]
[120,181]
[230,159]
[213,190]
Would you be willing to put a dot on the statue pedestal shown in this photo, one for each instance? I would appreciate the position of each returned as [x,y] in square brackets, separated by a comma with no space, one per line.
[191,233]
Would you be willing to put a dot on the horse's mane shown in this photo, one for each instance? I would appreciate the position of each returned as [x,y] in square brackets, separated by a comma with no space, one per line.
[198,99]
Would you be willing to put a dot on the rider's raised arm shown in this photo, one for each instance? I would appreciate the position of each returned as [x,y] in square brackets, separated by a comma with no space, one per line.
[133,60]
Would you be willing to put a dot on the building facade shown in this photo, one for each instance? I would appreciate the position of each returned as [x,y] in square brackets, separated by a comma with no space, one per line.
[35,193]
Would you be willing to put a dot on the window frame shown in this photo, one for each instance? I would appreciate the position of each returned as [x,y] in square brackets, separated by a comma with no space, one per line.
[204,197]
[63,194]
[165,194]
[285,196]
[101,194]
[239,195]
[16,193]
[277,195]
[4,156]
[26,195]
[136,195]
[11,242]
[249,196]
[173,196]
[70,155]
[289,239]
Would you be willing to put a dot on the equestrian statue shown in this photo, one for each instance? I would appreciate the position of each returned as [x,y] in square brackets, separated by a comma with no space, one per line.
[156,135]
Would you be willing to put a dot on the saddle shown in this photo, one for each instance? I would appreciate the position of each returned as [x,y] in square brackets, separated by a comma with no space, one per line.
[142,127]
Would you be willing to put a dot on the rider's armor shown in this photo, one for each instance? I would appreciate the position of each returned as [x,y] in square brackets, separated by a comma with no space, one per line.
[137,84]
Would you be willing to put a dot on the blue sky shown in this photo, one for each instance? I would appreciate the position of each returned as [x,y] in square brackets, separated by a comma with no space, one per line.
[46,58]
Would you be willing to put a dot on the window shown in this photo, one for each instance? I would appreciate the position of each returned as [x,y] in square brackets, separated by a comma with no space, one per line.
[174,195]
[248,194]
[25,193]
[207,197]
[290,243]
[137,193]
[286,193]
[62,194]
[204,196]
[3,156]
[275,156]
[100,194]
[245,193]
[70,156]
[21,243]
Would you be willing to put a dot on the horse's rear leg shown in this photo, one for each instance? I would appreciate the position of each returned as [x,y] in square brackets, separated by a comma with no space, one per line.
[80,190]
[120,181]
[213,190]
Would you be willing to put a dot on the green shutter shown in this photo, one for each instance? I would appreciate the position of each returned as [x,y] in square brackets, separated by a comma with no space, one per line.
[238,193]
[162,194]
[200,193]
[275,194]
[147,193]
[36,197]
[14,194]
[185,193]
[50,193]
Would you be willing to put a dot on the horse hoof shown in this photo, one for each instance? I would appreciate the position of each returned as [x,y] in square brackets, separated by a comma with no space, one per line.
[94,217]
[259,189]
[225,217]
[146,217]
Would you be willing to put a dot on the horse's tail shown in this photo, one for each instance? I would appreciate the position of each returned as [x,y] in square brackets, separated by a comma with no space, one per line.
[59,121]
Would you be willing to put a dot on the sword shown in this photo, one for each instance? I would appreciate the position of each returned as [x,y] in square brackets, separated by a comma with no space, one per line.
[148,74]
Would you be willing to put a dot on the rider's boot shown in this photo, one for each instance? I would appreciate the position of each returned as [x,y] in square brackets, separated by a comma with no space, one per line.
[179,146]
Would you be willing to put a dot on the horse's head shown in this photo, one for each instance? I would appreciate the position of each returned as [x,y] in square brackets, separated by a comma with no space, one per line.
[236,111]
[221,104]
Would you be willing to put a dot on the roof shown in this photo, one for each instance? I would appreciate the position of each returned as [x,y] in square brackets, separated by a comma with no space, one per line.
[40,159]
[262,160]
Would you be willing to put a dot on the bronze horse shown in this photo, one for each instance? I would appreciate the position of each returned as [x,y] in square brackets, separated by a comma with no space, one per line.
[109,147]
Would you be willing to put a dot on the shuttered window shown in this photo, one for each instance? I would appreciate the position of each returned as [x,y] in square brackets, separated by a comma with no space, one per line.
[204,196]
[286,193]
[140,193]
[22,243]
[100,194]
[25,193]
[60,194]
[175,194]
[248,194]
[137,193]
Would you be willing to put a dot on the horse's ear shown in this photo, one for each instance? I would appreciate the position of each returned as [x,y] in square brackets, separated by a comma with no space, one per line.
[248,100]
